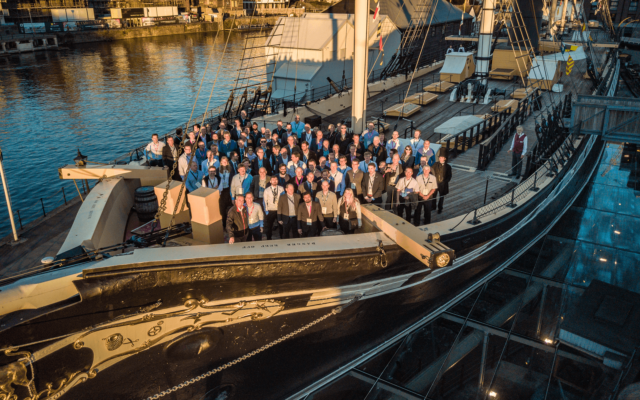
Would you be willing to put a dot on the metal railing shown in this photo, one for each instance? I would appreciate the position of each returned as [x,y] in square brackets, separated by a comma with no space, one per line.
[46,204]
[463,141]
[492,145]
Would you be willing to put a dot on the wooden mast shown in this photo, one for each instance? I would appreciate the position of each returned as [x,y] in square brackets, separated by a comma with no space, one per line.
[360,67]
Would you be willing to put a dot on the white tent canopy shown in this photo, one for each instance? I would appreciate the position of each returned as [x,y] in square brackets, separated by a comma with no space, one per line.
[456,125]
[543,69]
[454,63]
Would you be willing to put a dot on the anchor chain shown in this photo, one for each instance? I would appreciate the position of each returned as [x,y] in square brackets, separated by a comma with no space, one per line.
[383,255]
[335,311]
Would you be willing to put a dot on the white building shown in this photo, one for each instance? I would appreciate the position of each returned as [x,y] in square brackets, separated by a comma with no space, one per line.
[313,47]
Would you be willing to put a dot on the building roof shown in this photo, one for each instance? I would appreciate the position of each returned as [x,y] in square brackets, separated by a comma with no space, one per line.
[402,11]
[606,315]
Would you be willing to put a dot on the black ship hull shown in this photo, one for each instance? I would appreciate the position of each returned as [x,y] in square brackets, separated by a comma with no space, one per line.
[183,342]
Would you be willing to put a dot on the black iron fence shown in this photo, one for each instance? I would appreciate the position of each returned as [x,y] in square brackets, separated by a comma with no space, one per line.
[492,145]
[463,141]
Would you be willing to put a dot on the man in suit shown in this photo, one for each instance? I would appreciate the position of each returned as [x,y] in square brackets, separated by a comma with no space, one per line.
[279,129]
[309,216]
[309,186]
[372,185]
[353,179]
[343,140]
[316,144]
[259,184]
[170,155]
[238,221]
[291,146]
[244,120]
[288,211]
[261,162]
[307,135]
[377,150]
[442,172]
[306,154]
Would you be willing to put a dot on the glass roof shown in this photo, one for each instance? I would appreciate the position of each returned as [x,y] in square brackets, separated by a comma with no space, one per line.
[500,342]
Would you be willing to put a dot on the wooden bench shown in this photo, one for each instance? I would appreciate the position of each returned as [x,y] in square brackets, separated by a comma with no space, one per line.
[400,110]
[422,99]
[503,105]
[439,87]
[503,73]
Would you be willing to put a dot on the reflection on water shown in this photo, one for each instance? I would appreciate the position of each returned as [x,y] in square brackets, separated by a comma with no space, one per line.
[103,98]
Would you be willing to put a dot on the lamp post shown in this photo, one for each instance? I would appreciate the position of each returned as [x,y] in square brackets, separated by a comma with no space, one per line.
[8,197]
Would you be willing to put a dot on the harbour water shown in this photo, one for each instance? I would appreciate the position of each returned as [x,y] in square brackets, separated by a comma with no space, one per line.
[102,98]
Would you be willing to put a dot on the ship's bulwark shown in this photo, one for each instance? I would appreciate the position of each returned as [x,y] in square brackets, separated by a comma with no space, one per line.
[278,371]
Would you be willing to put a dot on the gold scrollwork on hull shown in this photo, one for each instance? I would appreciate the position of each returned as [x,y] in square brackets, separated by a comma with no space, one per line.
[112,350]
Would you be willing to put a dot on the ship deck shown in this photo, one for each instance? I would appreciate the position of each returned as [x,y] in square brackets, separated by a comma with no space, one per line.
[468,185]
[44,237]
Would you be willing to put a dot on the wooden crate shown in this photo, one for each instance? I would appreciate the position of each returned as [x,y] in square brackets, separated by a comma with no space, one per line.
[400,110]
[503,105]
[439,87]
[422,99]
[521,93]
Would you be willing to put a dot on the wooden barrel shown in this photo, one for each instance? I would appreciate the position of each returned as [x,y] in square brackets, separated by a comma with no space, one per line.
[146,203]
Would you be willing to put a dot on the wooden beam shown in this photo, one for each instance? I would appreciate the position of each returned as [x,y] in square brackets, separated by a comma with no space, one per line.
[426,247]
[149,176]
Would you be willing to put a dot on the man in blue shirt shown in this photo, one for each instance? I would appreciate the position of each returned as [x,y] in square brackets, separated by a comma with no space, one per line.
[368,136]
[193,178]
[426,151]
[297,126]
[227,146]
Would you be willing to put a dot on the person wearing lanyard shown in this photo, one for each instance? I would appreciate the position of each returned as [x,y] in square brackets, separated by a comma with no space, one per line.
[238,221]
[259,184]
[209,162]
[256,219]
[297,126]
[367,160]
[194,177]
[427,186]
[354,178]
[394,143]
[270,202]
[350,215]
[426,151]
[307,136]
[336,177]
[260,161]
[328,205]
[294,164]
[211,181]
[373,185]
[153,152]
[225,174]
[309,186]
[369,135]
[407,189]
[416,143]
[241,183]
[288,212]
[377,150]
[392,173]
[201,153]
[309,217]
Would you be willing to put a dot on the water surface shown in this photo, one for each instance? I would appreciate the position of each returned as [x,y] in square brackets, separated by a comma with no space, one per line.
[103,98]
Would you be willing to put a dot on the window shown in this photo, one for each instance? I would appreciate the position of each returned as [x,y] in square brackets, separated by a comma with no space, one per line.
[633,6]
[614,6]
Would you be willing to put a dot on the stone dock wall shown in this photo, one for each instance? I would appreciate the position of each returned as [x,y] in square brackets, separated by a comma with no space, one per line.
[106,35]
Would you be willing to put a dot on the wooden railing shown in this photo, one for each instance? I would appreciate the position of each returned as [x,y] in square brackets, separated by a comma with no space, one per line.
[492,146]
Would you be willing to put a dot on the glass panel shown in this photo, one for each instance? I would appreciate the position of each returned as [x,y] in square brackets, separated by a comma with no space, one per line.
[424,350]
[461,380]
[376,365]
[553,261]
[347,387]
[501,291]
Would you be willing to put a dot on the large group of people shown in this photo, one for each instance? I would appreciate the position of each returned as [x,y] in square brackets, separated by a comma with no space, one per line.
[300,180]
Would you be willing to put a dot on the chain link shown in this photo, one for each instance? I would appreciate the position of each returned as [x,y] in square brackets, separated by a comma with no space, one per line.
[335,311]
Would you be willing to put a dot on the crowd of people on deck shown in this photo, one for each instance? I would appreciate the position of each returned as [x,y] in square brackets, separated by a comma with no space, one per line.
[301,180]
